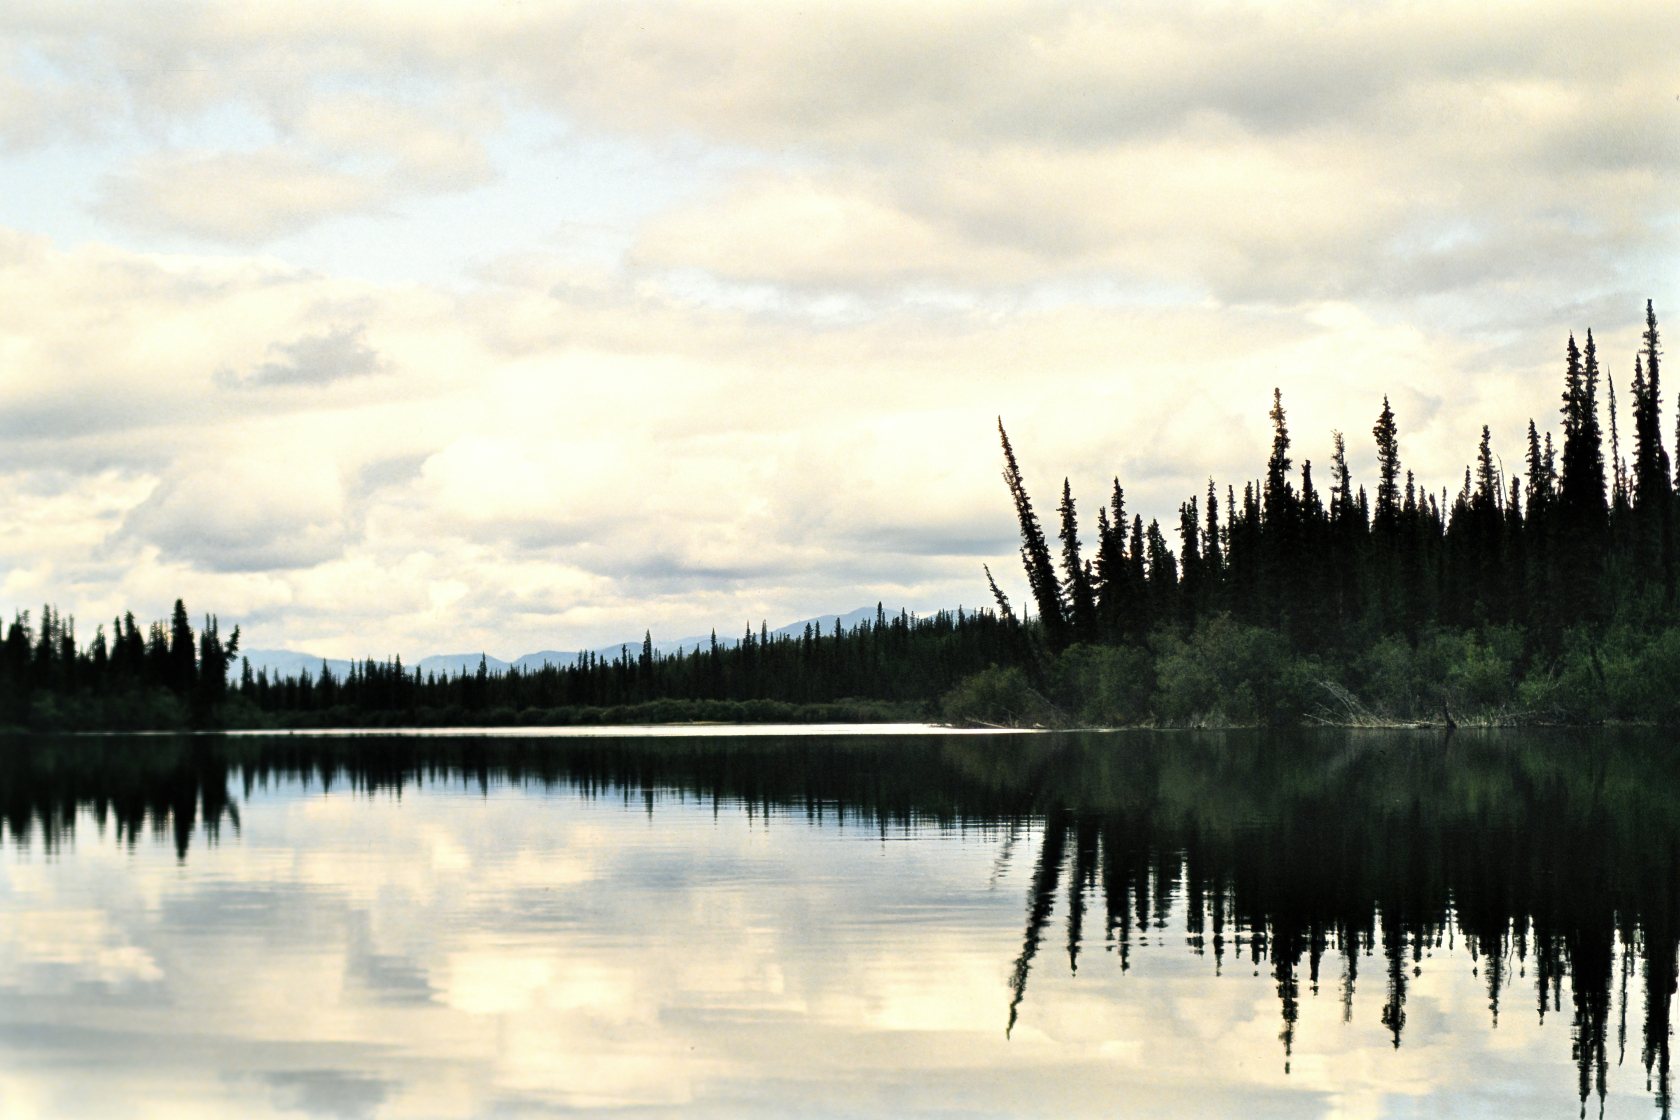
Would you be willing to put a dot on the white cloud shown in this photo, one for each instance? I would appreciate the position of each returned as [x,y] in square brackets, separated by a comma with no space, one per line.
[532,472]
[234,196]
[1118,227]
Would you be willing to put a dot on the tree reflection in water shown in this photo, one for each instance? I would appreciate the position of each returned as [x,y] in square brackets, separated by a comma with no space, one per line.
[1550,857]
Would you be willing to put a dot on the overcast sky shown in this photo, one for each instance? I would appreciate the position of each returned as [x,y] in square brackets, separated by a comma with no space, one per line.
[422,328]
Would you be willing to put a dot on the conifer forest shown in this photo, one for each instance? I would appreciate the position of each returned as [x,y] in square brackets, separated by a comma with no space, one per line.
[1546,595]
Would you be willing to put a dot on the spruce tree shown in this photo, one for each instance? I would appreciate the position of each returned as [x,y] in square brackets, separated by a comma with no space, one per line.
[1278,495]
[1539,482]
[1191,584]
[1141,621]
[1618,468]
[1662,489]
[182,656]
[1487,485]
[1075,585]
[1653,492]
[1163,576]
[1035,552]
[1485,566]
[1341,479]
[1388,468]
[1538,527]
[1583,515]
[1213,558]
[1117,594]
[1344,537]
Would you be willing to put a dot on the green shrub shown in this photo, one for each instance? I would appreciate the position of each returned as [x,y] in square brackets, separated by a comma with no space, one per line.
[1105,686]
[996,697]
[1228,673]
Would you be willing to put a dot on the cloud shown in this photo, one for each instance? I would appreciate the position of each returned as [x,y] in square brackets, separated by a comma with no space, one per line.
[314,360]
[877,228]
[251,513]
[238,197]
[1258,153]
[331,156]
[551,474]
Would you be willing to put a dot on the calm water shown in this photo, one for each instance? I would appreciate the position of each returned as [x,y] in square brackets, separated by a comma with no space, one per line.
[1131,924]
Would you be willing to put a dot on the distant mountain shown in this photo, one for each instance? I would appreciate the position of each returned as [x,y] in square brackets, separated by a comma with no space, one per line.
[547,657]
[698,641]
[454,664]
[286,663]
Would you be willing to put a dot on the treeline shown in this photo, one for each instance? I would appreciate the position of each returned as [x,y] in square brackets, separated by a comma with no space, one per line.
[892,667]
[1552,589]
[1548,593]
[165,676]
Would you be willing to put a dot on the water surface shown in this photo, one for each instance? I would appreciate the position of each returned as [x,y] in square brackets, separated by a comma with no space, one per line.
[833,924]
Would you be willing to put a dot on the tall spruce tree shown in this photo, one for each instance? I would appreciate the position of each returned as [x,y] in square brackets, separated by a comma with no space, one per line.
[1583,514]
[1278,495]
[1117,592]
[1485,559]
[1662,512]
[1192,583]
[1539,481]
[1213,557]
[1387,434]
[1619,497]
[1163,576]
[1653,490]
[1035,552]
[182,673]
[1076,582]
[1142,619]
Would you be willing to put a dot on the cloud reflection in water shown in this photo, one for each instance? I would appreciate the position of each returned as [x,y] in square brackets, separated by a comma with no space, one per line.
[462,927]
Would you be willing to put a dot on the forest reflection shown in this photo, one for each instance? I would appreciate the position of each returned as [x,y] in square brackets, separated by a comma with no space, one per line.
[1550,858]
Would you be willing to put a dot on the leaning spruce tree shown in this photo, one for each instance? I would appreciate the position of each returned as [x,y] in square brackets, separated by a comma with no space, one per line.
[1035,552]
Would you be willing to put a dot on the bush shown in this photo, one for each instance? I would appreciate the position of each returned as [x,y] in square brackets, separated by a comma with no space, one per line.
[1228,673]
[1105,686]
[997,698]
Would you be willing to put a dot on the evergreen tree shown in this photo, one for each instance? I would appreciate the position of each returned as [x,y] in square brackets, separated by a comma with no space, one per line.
[1163,576]
[1346,536]
[1191,583]
[1341,479]
[1539,477]
[1583,515]
[182,657]
[1388,468]
[1661,485]
[1213,558]
[1278,495]
[1117,592]
[1618,467]
[1035,552]
[1538,577]
[1483,577]
[1143,618]
[1076,583]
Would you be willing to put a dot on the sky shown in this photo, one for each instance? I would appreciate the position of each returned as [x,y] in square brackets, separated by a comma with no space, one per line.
[425,328]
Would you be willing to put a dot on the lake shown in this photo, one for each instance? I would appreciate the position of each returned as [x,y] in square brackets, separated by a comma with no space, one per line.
[839,922]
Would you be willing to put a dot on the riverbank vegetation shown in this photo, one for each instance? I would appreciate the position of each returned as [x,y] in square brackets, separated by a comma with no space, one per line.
[887,669]
[1544,595]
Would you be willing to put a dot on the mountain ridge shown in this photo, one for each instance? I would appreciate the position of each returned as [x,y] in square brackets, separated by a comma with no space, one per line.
[287,662]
